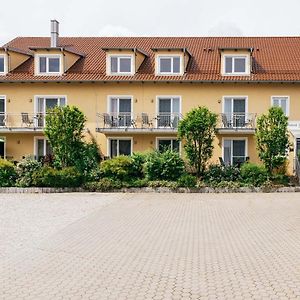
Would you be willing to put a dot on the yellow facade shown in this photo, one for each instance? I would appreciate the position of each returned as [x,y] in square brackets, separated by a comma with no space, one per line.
[92,98]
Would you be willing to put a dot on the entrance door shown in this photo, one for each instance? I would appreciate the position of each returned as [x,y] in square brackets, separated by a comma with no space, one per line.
[234,152]
[120,109]
[2,111]
[168,112]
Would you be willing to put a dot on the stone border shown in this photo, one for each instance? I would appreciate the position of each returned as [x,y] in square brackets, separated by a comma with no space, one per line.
[37,190]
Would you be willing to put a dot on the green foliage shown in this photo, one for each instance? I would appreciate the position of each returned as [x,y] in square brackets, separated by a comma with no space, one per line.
[138,161]
[119,168]
[253,174]
[197,130]
[163,166]
[103,185]
[227,184]
[280,179]
[272,138]
[7,173]
[25,170]
[64,129]
[163,183]
[50,177]
[187,180]
[217,173]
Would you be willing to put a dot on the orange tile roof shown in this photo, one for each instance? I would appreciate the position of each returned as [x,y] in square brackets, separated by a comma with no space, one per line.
[274,58]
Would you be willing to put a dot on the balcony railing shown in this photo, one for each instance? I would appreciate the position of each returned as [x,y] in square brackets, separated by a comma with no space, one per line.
[22,120]
[237,121]
[143,121]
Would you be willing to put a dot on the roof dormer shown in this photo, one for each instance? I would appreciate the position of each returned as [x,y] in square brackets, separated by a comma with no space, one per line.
[123,61]
[171,61]
[236,61]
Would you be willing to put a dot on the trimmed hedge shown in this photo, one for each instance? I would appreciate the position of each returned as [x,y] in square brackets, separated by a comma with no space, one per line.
[8,173]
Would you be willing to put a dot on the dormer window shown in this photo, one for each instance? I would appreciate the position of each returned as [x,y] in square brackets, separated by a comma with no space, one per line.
[121,65]
[236,65]
[49,64]
[169,65]
[3,68]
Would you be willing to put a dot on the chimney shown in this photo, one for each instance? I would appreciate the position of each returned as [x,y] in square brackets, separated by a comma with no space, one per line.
[54,33]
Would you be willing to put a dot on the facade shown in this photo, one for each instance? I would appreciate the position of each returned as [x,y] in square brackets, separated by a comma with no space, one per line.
[134,91]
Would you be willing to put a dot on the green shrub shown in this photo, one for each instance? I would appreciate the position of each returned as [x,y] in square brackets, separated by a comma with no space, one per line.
[103,185]
[118,168]
[164,166]
[253,174]
[187,180]
[138,183]
[217,173]
[8,173]
[25,170]
[280,179]
[163,183]
[227,184]
[138,161]
[93,175]
[49,177]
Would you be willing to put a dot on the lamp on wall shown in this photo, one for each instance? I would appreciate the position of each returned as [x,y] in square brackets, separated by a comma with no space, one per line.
[219,101]
[30,100]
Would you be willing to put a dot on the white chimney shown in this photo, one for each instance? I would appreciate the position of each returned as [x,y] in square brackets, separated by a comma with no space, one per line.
[54,33]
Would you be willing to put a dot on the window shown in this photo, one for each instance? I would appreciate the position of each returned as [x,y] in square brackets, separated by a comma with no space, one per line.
[168,112]
[43,103]
[120,147]
[120,111]
[169,65]
[49,64]
[3,65]
[2,111]
[42,148]
[234,151]
[2,147]
[236,65]
[283,102]
[164,144]
[121,64]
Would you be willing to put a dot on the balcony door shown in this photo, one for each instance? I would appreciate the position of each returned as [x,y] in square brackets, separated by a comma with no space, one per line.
[235,111]
[168,111]
[43,104]
[2,111]
[121,110]
[234,151]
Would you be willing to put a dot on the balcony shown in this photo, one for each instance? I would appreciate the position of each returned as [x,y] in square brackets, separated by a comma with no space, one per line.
[232,123]
[140,123]
[22,122]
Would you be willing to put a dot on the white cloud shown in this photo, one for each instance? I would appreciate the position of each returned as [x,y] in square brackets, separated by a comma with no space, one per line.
[115,30]
[225,29]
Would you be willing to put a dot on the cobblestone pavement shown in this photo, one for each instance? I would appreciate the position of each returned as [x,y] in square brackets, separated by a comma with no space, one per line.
[150,246]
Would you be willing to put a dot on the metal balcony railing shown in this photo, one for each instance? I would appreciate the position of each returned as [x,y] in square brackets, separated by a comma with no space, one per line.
[237,121]
[139,121]
[22,120]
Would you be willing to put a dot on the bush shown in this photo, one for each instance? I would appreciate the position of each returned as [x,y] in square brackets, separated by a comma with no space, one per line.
[118,168]
[8,173]
[164,166]
[253,174]
[227,184]
[217,173]
[25,170]
[103,185]
[163,183]
[49,177]
[138,161]
[187,180]
[280,179]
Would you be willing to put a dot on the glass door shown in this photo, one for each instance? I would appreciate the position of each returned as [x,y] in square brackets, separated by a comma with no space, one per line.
[120,110]
[235,111]
[234,152]
[168,112]
[2,112]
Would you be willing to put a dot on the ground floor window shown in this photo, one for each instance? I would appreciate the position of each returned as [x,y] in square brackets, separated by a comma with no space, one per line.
[120,147]
[234,151]
[2,147]
[42,148]
[164,144]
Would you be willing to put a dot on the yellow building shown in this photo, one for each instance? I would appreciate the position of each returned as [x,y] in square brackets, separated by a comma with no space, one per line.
[135,90]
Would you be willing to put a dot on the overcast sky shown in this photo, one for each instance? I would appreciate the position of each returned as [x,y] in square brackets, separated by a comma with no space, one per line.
[150,18]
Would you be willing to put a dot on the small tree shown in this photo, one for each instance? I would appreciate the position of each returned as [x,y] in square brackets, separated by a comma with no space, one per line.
[197,130]
[272,138]
[64,129]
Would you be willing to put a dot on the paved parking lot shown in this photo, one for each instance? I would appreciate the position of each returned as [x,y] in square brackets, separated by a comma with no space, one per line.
[150,246]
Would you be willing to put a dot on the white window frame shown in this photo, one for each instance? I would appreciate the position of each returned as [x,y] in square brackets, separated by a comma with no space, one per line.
[37,64]
[234,97]
[287,102]
[118,138]
[158,57]
[108,63]
[234,139]
[5,64]
[5,103]
[4,138]
[157,139]
[36,97]
[36,138]
[109,97]
[233,56]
